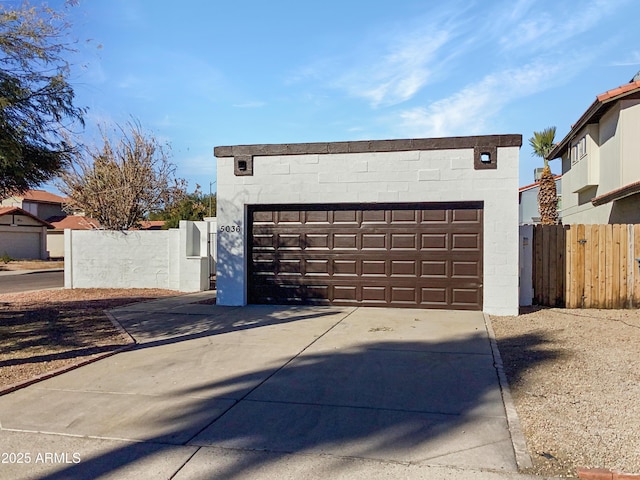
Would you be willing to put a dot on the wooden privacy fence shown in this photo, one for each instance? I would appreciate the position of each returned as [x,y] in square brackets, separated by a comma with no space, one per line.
[586,266]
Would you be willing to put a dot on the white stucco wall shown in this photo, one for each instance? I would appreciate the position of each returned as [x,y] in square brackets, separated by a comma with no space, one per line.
[398,176]
[176,259]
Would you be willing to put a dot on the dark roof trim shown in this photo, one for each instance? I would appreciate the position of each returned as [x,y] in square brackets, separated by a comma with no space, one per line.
[594,113]
[369,146]
[617,194]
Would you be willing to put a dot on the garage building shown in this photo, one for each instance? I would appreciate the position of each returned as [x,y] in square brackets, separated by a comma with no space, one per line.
[418,223]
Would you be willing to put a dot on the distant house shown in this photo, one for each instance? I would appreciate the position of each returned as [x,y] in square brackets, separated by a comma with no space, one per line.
[528,202]
[601,160]
[37,202]
[22,234]
[55,237]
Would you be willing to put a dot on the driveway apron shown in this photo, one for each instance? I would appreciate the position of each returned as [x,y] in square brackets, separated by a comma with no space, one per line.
[393,385]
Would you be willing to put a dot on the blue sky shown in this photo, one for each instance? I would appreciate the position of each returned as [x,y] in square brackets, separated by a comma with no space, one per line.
[199,74]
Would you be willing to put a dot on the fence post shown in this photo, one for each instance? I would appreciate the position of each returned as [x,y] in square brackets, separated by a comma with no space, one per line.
[526,265]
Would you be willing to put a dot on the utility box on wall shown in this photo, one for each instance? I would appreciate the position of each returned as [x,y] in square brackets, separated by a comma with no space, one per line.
[418,223]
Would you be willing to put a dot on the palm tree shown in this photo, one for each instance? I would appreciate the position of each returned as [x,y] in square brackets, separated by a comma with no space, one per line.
[542,144]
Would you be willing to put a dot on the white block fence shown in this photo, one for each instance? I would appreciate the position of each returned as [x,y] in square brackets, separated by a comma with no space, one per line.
[175,259]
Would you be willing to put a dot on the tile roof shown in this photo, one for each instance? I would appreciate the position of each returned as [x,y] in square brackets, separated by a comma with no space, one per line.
[596,110]
[73,222]
[535,184]
[617,194]
[621,90]
[20,211]
[151,224]
[42,196]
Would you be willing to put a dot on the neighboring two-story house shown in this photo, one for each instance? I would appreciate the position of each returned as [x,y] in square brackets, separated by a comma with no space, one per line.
[601,160]
[37,202]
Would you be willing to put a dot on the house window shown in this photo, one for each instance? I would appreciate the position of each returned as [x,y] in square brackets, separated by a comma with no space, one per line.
[578,150]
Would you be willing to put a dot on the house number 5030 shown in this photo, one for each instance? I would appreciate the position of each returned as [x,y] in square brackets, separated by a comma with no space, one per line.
[230,228]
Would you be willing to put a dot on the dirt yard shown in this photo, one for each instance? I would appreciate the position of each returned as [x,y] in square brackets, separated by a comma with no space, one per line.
[31,265]
[47,330]
[575,379]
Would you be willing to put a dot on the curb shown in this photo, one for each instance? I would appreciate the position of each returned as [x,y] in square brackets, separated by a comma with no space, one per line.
[523,460]
[8,273]
[60,371]
[68,368]
[604,474]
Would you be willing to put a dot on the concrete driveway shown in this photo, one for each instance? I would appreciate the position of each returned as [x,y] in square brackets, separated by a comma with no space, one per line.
[266,391]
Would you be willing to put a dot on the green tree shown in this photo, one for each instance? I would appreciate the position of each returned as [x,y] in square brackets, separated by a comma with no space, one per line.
[36,99]
[542,143]
[193,206]
[120,182]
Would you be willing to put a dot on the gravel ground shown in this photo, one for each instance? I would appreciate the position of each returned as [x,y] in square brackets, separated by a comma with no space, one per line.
[575,379]
[31,265]
[51,329]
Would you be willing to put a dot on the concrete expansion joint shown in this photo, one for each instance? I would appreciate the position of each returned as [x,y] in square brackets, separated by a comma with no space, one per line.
[266,379]
[187,460]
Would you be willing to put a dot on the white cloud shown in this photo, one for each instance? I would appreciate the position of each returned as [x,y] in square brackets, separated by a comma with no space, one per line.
[538,28]
[392,64]
[400,73]
[630,59]
[471,110]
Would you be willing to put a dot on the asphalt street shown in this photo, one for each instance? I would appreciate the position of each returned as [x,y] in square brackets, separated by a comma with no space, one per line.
[31,281]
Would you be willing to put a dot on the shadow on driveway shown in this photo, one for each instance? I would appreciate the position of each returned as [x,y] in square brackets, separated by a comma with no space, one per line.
[424,402]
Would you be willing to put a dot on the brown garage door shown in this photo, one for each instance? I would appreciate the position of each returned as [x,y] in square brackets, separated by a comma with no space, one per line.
[403,255]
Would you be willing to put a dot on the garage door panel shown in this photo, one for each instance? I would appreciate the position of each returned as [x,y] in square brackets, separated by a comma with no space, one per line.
[374,217]
[435,269]
[345,267]
[461,269]
[376,294]
[466,216]
[374,268]
[465,297]
[374,241]
[435,241]
[289,241]
[405,241]
[403,268]
[316,241]
[263,241]
[317,267]
[434,216]
[347,293]
[404,295]
[435,297]
[317,217]
[345,216]
[465,241]
[404,216]
[345,241]
[289,217]
[412,255]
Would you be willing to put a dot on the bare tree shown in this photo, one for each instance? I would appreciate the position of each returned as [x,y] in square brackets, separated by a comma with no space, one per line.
[122,181]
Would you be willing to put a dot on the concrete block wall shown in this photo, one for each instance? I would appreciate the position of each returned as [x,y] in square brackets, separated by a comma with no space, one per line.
[420,170]
[176,259]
